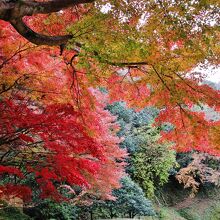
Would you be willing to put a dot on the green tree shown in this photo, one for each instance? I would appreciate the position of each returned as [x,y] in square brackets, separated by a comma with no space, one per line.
[130,202]
[152,160]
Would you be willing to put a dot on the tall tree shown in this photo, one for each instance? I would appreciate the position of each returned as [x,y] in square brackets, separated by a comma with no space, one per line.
[149,162]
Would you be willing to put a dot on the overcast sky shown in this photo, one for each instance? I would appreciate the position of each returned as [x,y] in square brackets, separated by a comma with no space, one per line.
[213,74]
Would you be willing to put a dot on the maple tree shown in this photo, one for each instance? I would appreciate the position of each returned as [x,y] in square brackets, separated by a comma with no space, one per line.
[51,143]
[142,52]
[202,169]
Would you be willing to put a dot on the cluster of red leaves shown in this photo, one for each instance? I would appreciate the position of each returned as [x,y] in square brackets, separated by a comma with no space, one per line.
[52,143]
[56,23]
[11,170]
[192,130]
[9,191]
[22,69]
[55,142]
[130,88]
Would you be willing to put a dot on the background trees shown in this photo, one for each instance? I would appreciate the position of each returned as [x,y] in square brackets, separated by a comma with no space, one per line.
[149,162]
[130,202]
[152,161]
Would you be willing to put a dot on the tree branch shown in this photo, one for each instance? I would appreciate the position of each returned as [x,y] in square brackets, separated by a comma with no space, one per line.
[14,11]
[21,8]
[33,7]
[36,38]
[128,64]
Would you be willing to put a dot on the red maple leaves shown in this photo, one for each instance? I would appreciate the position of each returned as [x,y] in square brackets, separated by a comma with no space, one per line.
[53,144]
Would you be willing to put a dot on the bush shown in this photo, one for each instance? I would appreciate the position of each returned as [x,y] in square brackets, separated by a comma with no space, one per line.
[52,210]
[189,214]
[12,213]
[213,213]
[169,214]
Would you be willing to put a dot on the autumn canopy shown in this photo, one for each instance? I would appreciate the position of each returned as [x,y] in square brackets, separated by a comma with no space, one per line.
[63,61]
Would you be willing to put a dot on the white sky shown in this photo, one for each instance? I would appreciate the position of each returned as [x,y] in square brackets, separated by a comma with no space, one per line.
[213,73]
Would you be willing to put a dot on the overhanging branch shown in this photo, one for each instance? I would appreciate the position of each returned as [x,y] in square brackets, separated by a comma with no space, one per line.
[128,64]
[14,11]
[33,7]
[36,38]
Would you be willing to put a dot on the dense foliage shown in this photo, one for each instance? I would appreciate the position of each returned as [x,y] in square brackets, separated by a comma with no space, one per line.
[198,170]
[150,161]
[50,143]
[130,202]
